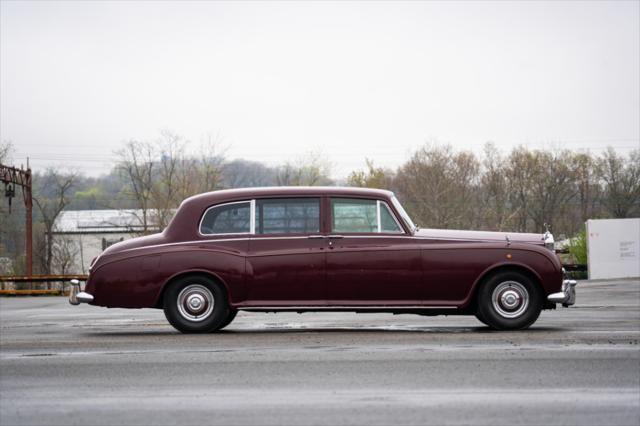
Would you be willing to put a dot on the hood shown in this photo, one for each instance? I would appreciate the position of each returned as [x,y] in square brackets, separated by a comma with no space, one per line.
[487,236]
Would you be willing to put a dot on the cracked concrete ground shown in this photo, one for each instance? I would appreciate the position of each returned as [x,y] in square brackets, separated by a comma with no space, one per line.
[64,365]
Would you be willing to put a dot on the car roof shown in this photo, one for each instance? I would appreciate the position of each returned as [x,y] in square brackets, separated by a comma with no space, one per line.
[289,191]
[190,211]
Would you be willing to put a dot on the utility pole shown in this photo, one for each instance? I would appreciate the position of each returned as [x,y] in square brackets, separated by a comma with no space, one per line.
[12,176]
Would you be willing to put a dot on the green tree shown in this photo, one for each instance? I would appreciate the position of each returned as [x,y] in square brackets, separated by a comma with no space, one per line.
[373,177]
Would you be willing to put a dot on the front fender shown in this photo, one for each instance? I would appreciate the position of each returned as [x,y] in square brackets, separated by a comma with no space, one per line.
[453,271]
[549,280]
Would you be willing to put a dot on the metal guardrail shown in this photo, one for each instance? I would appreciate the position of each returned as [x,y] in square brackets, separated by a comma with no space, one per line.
[57,292]
[39,279]
[42,278]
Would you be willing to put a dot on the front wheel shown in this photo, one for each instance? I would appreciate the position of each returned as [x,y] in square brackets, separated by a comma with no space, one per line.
[195,304]
[509,301]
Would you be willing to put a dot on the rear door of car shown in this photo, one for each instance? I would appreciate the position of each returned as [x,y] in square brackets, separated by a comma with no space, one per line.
[371,259]
[286,258]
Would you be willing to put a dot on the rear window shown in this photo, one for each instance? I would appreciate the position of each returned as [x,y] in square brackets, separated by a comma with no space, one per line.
[232,218]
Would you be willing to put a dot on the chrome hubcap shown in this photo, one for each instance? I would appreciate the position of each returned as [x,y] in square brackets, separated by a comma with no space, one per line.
[510,299]
[195,302]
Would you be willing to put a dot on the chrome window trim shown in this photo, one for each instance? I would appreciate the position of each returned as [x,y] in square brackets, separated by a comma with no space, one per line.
[252,217]
[401,231]
[251,214]
[403,213]
[395,219]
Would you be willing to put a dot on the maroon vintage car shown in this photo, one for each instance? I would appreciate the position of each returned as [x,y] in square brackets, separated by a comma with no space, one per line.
[323,249]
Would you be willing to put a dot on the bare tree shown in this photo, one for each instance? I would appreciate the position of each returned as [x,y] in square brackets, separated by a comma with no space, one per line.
[162,174]
[551,189]
[136,166]
[288,175]
[65,253]
[621,182]
[587,193]
[210,165]
[494,203]
[6,149]
[243,173]
[169,183]
[520,172]
[310,170]
[438,186]
[52,195]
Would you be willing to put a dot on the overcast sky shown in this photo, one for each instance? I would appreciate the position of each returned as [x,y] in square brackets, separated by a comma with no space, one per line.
[354,80]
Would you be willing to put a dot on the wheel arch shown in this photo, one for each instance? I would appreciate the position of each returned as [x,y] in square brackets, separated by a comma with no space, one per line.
[192,272]
[472,300]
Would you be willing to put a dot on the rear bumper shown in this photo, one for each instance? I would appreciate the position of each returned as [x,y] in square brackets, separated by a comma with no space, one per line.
[567,296]
[76,296]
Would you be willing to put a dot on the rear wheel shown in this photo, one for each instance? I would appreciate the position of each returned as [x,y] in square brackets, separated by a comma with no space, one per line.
[481,318]
[195,304]
[509,300]
[230,317]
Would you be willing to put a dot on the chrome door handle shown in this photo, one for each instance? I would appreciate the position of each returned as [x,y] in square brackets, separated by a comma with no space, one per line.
[316,237]
[333,237]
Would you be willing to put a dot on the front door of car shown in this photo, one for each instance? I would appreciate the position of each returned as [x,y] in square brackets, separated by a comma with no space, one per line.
[286,258]
[370,258]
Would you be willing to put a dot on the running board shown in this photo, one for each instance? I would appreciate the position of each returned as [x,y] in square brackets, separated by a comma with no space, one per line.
[341,308]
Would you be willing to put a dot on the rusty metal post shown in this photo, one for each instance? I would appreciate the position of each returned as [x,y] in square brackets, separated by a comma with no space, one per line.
[22,177]
[28,202]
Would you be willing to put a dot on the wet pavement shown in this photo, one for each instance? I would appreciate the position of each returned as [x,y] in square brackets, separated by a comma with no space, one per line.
[68,365]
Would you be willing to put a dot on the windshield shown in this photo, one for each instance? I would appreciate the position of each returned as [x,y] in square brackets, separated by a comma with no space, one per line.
[405,216]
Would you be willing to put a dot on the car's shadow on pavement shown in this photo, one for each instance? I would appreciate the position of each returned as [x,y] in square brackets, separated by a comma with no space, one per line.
[329,330]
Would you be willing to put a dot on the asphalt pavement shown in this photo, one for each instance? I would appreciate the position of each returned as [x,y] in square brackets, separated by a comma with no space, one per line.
[66,365]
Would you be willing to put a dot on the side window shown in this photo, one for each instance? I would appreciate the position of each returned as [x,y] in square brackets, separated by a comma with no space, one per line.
[353,215]
[288,215]
[387,221]
[362,216]
[232,218]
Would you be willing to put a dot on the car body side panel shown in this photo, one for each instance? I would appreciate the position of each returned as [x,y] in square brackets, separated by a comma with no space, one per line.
[137,281]
[452,270]
[372,270]
[286,271]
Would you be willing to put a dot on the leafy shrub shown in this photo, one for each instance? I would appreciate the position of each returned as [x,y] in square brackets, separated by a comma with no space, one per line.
[578,248]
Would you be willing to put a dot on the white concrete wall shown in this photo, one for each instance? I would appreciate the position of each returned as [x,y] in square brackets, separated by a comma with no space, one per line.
[86,247]
[613,248]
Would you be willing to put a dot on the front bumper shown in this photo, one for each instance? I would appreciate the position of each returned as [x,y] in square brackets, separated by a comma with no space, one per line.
[76,296]
[567,296]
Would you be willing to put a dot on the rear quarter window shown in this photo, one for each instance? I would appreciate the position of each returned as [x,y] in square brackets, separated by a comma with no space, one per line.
[231,218]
